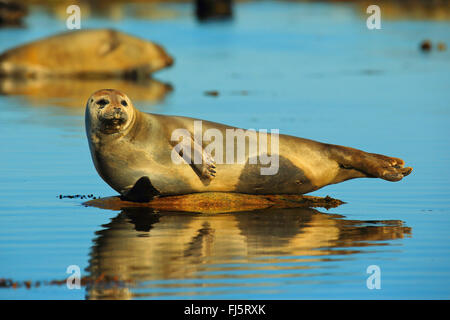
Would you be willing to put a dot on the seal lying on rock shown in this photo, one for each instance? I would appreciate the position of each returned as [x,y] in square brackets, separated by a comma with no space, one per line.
[140,155]
[85,54]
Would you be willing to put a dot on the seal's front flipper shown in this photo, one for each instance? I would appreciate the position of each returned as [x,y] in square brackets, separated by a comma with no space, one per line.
[200,160]
[206,169]
[142,191]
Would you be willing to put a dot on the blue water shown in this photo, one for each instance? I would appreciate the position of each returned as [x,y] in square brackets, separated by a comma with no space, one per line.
[310,70]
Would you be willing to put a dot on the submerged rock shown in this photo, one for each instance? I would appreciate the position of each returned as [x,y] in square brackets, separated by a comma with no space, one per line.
[441,46]
[95,53]
[217,202]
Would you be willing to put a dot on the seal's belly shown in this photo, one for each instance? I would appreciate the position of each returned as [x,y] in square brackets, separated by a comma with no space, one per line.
[242,178]
[293,174]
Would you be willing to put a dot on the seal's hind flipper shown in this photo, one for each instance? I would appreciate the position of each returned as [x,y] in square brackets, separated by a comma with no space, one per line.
[370,165]
[142,191]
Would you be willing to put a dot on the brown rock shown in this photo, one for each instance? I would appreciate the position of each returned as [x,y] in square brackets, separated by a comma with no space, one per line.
[218,202]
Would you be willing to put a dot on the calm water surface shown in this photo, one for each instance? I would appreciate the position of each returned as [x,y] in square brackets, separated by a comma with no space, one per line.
[313,71]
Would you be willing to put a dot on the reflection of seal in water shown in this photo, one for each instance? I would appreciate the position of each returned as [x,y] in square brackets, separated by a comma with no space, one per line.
[72,92]
[134,249]
[132,152]
[85,54]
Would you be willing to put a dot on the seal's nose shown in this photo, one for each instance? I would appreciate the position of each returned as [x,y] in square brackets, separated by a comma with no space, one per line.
[117,112]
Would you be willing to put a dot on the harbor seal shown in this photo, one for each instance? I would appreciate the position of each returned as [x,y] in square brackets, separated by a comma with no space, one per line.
[137,155]
[90,53]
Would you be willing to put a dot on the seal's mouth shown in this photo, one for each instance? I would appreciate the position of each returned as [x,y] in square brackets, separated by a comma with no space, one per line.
[114,125]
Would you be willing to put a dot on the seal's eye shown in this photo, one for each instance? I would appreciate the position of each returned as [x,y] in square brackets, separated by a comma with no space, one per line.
[102,103]
[124,103]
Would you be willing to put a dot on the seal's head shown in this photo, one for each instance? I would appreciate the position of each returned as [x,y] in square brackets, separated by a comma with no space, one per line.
[109,111]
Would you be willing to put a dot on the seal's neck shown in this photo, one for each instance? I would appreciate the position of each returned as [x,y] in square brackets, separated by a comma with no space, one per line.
[134,128]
